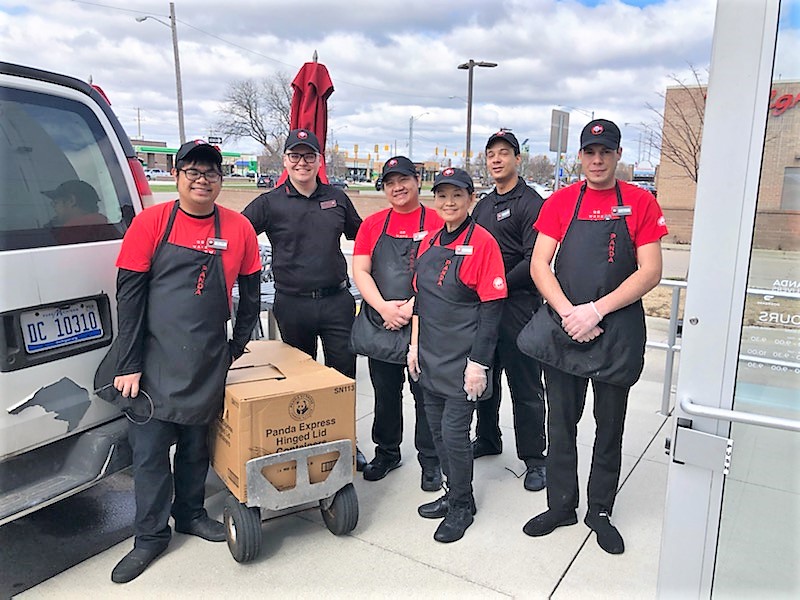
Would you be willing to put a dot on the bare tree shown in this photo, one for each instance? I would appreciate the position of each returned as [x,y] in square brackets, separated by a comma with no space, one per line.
[259,110]
[539,168]
[680,129]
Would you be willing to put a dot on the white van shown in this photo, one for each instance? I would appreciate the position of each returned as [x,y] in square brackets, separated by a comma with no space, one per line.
[70,184]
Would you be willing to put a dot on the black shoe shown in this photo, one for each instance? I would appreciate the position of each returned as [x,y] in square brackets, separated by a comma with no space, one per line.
[536,478]
[455,523]
[431,479]
[608,538]
[549,521]
[379,468]
[134,563]
[203,527]
[361,460]
[439,507]
[481,447]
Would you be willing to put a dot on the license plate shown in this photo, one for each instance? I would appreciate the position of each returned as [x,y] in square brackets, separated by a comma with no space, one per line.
[59,326]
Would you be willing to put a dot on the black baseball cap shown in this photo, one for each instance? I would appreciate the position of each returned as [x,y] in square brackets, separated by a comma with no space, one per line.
[83,192]
[399,164]
[506,136]
[303,137]
[199,150]
[457,177]
[601,131]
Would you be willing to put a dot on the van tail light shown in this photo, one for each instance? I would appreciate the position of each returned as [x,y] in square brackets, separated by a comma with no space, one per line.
[142,185]
[100,91]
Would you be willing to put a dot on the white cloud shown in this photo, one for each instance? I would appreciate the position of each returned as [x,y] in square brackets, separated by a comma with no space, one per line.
[388,61]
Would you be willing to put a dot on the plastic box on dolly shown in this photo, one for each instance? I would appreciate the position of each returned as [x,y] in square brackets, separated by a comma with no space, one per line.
[284,442]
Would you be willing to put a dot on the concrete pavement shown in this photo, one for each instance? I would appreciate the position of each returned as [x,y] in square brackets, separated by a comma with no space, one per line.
[392,553]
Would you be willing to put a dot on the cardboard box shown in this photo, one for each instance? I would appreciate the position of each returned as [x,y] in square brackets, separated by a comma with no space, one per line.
[278,398]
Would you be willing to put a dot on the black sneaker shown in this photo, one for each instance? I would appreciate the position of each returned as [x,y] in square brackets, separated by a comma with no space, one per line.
[203,527]
[608,538]
[431,479]
[134,563]
[439,507]
[548,522]
[379,468]
[535,478]
[361,460]
[482,447]
[455,523]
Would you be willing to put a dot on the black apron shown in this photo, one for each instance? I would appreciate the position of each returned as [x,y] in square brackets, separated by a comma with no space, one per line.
[448,320]
[392,269]
[594,258]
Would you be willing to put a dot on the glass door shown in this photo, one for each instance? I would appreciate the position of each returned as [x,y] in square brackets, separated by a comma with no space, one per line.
[732,515]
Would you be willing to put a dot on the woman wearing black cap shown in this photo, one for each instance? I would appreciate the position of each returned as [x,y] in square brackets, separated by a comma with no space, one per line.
[459,281]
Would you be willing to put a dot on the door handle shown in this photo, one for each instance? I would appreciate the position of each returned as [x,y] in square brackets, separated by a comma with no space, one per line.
[738,416]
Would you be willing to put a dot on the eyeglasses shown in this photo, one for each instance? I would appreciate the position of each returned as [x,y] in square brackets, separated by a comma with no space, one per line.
[194,175]
[308,157]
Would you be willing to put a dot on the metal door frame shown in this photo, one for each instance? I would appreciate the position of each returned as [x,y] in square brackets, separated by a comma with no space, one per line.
[740,79]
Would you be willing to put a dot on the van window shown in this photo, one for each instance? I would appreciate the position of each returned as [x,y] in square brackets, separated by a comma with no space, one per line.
[60,179]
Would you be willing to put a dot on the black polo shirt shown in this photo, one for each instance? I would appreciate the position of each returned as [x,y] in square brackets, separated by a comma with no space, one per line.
[509,218]
[305,234]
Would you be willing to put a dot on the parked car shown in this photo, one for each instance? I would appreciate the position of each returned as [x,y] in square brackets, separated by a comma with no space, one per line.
[264,181]
[539,189]
[338,182]
[156,173]
[57,304]
[379,184]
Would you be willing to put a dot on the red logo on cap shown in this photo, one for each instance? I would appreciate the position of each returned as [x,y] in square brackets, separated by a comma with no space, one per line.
[500,133]
[392,162]
[597,130]
[302,135]
[448,172]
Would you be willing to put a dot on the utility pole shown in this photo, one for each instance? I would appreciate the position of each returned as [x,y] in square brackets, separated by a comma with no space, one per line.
[178,86]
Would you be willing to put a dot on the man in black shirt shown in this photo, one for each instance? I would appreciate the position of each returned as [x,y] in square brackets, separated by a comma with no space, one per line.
[509,212]
[304,220]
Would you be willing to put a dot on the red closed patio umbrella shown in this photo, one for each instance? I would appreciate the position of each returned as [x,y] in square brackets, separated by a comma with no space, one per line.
[310,90]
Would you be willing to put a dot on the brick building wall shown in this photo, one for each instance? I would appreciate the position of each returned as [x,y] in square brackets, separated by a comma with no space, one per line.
[777,227]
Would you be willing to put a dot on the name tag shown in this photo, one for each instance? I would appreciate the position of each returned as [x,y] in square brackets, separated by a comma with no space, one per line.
[326,204]
[217,244]
[463,250]
[420,235]
[503,214]
[621,211]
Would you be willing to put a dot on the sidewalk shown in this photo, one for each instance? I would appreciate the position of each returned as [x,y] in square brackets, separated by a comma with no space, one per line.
[391,553]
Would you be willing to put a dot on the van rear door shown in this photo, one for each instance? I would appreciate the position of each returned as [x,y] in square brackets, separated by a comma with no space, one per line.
[57,307]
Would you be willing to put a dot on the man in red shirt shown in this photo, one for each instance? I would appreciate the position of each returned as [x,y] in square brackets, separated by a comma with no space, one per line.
[383,265]
[607,234]
[177,266]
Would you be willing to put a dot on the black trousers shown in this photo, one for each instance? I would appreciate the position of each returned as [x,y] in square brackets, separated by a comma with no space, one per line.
[155,483]
[524,376]
[567,397]
[301,320]
[387,426]
[450,420]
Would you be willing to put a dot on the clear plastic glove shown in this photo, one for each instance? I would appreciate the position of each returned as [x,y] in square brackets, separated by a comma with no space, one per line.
[475,380]
[412,360]
[582,322]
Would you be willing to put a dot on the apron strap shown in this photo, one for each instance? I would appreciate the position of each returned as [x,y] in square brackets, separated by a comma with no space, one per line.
[386,222]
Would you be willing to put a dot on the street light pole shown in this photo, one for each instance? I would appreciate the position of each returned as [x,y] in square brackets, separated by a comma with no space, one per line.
[469,66]
[178,86]
[411,134]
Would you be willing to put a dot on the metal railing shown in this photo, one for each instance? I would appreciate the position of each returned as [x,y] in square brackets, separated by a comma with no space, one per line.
[672,346]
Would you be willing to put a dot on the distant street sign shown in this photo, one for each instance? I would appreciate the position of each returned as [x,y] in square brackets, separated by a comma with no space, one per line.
[559,129]
[213,139]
